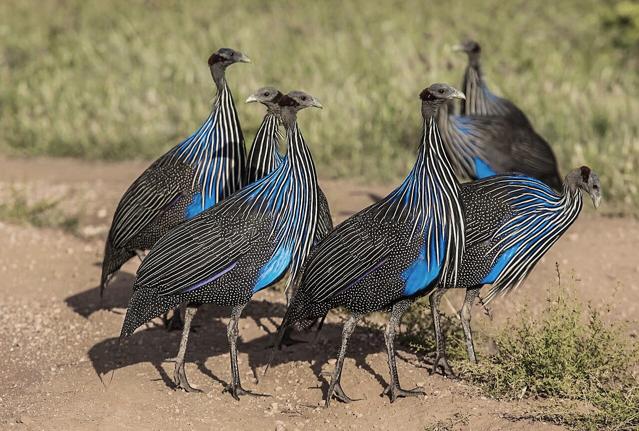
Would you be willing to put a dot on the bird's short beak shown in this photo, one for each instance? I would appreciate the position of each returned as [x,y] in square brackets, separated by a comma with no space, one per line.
[458,95]
[459,48]
[251,99]
[317,104]
[596,199]
[244,59]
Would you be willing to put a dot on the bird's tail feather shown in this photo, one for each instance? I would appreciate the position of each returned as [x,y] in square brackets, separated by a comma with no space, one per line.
[144,305]
[278,341]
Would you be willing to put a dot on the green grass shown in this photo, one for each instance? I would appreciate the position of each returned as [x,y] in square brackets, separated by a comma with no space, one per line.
[43,213]
[568,355]
[128,79]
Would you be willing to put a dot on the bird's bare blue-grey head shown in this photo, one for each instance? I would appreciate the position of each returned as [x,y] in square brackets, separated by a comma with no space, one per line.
[223,58]
[299,100]
[434,96]
[587,180]
[471,48]
[294,101]
[227,56]
[268,96]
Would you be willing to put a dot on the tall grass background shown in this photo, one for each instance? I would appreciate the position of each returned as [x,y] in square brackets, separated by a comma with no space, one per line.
[128,79]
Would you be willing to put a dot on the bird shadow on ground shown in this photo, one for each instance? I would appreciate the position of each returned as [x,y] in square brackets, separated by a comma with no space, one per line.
[158,346]
[116,295]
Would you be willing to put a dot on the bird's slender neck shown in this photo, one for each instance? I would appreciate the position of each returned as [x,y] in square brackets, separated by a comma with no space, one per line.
[262,158]
[570,189]
[442,117]
[301,211]
[218,72]
[289,118]
[473,64]
[298,152]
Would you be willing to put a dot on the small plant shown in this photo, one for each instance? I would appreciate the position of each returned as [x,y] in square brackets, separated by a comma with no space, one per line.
[563,356]
[44,213]
[455,422]
[568,354]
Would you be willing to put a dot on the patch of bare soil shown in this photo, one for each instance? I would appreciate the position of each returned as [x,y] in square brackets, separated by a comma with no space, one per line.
[63,369]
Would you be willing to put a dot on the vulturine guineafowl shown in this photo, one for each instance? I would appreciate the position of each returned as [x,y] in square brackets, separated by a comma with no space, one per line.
[479,99]
[265,155]
[481,146]
[242,245]
[511,221]
[191,177]
[389,253]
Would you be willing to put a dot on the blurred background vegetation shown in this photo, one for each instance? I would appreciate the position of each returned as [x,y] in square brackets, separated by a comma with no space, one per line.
[128,79]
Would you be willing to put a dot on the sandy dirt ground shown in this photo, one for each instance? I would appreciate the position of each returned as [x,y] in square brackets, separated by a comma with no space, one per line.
[61,367]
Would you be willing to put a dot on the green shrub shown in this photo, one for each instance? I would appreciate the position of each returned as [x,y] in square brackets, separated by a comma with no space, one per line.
[561,355]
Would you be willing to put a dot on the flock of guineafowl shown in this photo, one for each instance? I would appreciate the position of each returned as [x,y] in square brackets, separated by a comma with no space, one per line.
[221,225]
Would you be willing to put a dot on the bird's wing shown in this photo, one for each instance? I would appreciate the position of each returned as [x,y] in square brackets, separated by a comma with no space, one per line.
[324,220]
[199,250]
[484,211]
[160,187]
[347,255]
[533,155]
[492,137]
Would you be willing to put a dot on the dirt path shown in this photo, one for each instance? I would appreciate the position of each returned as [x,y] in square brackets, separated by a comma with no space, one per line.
[58,338]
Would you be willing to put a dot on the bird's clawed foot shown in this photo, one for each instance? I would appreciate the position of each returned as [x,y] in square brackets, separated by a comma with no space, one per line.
[394,391]
[179,378]
[335,390]
[236,391]
[442,361]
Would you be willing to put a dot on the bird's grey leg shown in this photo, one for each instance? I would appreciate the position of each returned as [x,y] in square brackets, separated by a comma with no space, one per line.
[469,300]
[179,376]
[175,323]
[440,358]
[232,332]
[393,389]
[335,387]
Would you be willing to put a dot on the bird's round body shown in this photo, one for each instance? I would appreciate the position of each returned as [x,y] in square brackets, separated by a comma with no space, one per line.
[377,286]
[191,177]
[511,221]
[214,235]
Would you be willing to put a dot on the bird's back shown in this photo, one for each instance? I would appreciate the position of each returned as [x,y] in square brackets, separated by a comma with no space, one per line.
[503,147]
